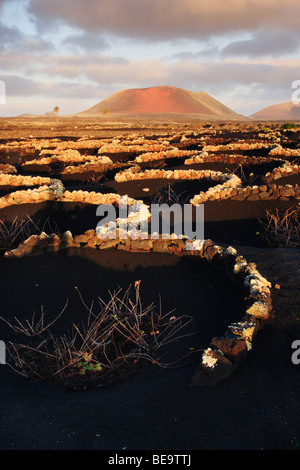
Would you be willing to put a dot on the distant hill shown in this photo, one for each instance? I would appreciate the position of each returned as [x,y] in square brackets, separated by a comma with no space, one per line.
[26,115]
[162,100]
[279,112]
[49,114]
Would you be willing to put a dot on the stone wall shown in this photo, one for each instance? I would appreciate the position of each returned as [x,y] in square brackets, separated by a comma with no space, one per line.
[51,190]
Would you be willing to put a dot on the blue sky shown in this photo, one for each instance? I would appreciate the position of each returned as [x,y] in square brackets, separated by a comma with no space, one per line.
[74,53]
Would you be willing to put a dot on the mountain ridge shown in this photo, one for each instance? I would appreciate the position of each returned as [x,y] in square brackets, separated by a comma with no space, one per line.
[278,112]
[162,100]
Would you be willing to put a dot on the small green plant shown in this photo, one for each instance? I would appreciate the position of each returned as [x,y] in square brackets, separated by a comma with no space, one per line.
[87,364]
[289,125]
[265,129]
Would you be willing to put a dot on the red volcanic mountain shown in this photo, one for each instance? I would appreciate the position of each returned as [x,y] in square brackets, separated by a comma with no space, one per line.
[279,112]
[162,100]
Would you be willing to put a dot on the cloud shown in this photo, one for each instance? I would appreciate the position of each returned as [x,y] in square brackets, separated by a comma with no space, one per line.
[264,43]
[14,40]
[82,65]
[21,86]
[86,42]
[10,36]
[102,69]
[2,2]
[205,53]
[211,76]
[69,75]
[168,19]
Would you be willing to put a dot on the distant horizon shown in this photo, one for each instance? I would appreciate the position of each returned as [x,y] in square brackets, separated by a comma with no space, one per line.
[244,54]
[44,114]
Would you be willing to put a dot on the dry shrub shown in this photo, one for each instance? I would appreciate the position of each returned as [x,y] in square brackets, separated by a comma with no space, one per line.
[94,180]
[282,229]
[169,196]
[111,345]
[15,232]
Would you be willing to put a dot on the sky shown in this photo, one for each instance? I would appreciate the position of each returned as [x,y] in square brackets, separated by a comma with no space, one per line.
[75,53]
